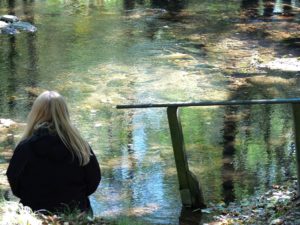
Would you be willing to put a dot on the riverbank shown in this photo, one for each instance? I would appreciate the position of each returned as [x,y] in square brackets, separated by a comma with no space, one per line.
[9,134]
[278,206]
[13,213]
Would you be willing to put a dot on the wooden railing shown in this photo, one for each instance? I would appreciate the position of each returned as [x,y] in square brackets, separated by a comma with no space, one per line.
[189,187]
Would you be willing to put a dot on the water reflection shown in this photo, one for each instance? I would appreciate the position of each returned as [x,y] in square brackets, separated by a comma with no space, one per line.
[32,68]
[229,133]
[267,8]
[129,4]
[287,7]
[190,217]
[267,147]
[174,6]
[11,7]
[135,186]
[250,8]
[12,79]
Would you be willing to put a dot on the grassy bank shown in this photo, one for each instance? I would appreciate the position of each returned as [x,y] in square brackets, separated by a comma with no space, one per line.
[13,213]
[278,206]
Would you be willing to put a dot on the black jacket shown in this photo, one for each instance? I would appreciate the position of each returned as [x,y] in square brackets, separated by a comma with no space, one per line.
[44,175]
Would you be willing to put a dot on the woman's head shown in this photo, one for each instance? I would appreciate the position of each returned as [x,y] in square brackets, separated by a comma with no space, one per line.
[51,107]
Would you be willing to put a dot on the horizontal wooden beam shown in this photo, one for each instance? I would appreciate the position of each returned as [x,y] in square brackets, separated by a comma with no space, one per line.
[212,103]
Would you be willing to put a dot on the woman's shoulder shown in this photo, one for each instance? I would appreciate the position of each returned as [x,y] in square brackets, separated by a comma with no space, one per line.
[45,147]
[24,142]
[29,141]
[23,148]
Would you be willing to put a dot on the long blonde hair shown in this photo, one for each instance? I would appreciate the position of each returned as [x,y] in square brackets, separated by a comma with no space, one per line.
[51,107]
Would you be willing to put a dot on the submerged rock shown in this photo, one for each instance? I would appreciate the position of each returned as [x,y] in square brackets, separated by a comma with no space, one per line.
[6,122]
[5,28]
[12,24]
[284,64]
[277,222]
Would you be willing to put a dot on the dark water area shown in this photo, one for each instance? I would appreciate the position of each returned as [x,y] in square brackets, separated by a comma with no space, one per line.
[101,53]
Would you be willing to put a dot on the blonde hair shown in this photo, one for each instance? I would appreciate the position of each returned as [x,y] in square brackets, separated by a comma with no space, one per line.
[51,107]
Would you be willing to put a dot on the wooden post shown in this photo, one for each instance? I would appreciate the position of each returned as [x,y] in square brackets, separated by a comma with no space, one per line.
[190,191]
[296,113]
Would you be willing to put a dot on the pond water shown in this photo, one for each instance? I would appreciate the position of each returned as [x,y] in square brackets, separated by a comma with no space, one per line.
[100,53]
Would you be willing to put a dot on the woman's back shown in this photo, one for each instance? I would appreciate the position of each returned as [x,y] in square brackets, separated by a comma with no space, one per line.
[53,168]
[52,176]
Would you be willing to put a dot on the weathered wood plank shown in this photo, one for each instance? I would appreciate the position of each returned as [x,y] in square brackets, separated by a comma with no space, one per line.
[189,187]
[296,114]
[212,103]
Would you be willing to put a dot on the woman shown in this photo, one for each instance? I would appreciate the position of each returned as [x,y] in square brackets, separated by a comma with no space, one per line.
[53,168]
